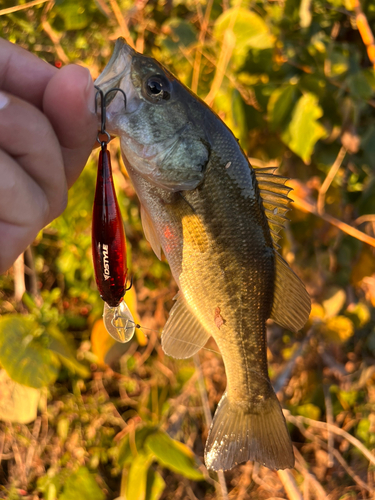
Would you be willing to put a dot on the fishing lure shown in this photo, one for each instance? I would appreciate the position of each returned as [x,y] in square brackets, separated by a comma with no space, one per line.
[108,240]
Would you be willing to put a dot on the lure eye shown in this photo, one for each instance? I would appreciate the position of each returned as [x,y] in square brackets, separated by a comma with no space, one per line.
[158,88]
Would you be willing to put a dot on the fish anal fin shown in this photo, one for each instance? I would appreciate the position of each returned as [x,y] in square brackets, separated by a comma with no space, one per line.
[150,232]
[183,334]
[291,304]
[237,436]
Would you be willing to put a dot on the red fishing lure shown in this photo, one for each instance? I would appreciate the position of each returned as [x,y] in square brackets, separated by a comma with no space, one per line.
[109,244]
[108,236]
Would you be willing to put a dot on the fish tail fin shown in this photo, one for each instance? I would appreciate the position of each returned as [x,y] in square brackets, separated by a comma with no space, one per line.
[237,435]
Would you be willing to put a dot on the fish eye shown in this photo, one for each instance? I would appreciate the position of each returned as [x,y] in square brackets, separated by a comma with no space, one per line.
[157,87]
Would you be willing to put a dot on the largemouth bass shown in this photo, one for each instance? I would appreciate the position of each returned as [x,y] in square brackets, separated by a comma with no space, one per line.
[217,221]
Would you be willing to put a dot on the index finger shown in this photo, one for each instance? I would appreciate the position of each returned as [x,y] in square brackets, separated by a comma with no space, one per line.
[23,74]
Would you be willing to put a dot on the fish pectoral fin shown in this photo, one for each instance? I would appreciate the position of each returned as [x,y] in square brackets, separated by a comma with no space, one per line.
[237,436]
[150,232]
[183,334]
[291,304]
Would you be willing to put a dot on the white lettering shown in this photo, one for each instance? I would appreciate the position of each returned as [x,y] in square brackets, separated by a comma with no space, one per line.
[106,273]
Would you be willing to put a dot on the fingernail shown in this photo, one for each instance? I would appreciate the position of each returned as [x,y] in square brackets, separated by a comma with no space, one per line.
[90,92]
[4,100]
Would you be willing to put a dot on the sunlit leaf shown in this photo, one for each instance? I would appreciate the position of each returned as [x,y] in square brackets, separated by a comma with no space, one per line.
[137,476]
[280,105]
[359,86]
[24,354]
[179,33]
[74,13]
[134,443]
[359,313]
[249,29]
[59,346]
[155,485]
[173,455]
[81,486]
[304,130]
[334,301]
[339,329]
[309,410]
[18,403]
[305,13]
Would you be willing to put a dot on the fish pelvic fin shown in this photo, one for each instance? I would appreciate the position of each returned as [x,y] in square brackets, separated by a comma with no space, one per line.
[183,334]
[237,435]
[150,232]
[291,304]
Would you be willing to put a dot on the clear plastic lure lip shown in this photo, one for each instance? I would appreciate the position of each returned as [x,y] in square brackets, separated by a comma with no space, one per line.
[119,322]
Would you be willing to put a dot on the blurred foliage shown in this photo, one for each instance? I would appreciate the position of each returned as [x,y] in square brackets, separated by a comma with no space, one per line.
[293,81]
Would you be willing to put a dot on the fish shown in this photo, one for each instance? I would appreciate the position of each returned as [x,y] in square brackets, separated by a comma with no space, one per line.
[217,220]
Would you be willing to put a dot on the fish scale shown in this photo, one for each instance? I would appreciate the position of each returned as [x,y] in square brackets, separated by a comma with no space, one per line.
[217,221]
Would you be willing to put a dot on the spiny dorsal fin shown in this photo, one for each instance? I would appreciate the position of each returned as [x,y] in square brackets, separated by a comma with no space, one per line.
[291,302]
[275,199]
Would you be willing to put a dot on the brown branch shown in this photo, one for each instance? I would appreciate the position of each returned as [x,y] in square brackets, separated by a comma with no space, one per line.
[364,30]
[290,485]
[336,430]
[286,373]
[330,422]
[16,8]
[302,467]
[122,23]
[328,180]
[198,53]
[364,218]
[228,44]
[54,37]
[351,472]
[19,278]
[308,206]
[208,417]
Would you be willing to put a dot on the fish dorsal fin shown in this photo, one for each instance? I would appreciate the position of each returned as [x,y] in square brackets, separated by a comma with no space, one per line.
[150,232]
[291,302]
[275,199]
[183,334]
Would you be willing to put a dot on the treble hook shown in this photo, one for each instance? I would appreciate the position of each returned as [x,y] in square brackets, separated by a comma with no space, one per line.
[103,109]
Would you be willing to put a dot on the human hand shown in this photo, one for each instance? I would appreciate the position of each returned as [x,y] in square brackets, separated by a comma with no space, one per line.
[47,130]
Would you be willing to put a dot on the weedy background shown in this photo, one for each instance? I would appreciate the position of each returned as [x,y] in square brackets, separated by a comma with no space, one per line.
[82,417]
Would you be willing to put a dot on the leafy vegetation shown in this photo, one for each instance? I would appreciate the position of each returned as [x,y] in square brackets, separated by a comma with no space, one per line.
[82,416]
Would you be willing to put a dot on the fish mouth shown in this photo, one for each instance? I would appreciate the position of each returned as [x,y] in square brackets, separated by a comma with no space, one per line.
[117,75]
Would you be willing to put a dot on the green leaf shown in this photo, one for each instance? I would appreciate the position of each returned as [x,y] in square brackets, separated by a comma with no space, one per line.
[74,14]
[334,301]
[280,105]
[249,30]
[81,486]
[59,345]
[180,32]
[24,354]
[134,443]
[155,485]
[309,410]
[359,86]
[174,455]
[304,130]
[18,403]
[137,477]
